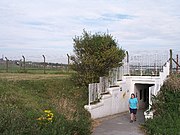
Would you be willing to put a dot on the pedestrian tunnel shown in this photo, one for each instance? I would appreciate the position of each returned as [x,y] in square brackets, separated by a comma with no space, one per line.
[143,93]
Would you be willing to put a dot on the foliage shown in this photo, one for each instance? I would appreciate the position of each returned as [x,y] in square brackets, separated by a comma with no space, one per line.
[167,109]
[45,107]
[94,56]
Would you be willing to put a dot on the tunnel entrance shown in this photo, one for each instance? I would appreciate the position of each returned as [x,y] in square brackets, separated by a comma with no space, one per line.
[142,93]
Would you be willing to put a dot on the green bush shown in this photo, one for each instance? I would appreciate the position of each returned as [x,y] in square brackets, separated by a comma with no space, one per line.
[167,109]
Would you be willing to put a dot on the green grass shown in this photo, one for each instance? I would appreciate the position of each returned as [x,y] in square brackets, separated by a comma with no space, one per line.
[22,102]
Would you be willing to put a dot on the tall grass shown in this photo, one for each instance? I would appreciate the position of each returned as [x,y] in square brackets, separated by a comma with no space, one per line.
[22,102]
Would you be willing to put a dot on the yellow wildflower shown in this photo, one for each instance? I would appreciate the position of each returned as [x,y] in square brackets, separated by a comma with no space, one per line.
[47,111]
[49,119]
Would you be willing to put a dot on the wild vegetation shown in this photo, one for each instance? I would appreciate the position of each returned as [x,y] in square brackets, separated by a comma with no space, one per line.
[51,104]
[95,55]
[43,105]
[166,105]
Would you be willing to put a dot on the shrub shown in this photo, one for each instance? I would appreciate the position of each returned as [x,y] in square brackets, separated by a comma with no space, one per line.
[94,56]
[167,109]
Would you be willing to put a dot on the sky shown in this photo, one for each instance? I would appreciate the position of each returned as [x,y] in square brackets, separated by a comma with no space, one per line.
[33,28]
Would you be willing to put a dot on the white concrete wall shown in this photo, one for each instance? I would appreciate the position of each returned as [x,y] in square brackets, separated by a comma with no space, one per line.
[114,102]
[101,109]
[151,92]
[163,75]
[117,99]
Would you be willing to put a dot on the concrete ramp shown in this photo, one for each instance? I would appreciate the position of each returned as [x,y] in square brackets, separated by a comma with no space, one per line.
[120,125]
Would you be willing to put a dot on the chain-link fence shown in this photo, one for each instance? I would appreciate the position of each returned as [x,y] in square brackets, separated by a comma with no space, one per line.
[147,62]
[24,66]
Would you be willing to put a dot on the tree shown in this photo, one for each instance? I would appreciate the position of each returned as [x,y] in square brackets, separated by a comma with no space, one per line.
[94,56]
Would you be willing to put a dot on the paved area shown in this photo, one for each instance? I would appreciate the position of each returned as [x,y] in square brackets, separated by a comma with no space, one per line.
[120,125]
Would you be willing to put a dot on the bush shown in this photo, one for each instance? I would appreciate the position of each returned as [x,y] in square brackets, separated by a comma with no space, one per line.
[167,109]
[94,56]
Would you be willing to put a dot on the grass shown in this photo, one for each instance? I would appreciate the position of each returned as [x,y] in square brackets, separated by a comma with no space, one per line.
[24,97]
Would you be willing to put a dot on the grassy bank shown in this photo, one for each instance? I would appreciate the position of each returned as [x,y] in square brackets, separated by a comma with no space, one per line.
[43,105]
[166,105]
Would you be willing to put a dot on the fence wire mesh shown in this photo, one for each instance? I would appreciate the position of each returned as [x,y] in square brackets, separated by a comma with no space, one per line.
[30,65]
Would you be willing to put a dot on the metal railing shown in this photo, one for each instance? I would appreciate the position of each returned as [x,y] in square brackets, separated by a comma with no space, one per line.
[97,89]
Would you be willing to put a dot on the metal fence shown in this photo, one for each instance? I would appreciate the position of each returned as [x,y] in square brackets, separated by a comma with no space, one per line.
[29,66]
[139,64]
[103,84]
[93,92]
[97,89]
[147,62]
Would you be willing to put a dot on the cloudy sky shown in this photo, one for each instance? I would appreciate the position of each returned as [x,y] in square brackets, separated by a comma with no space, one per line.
[36,27]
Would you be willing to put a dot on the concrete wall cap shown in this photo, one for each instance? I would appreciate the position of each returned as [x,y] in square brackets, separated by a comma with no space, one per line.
[106,96]
[90,107]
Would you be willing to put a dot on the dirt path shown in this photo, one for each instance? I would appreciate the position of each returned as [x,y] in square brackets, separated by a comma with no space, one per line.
[22,76]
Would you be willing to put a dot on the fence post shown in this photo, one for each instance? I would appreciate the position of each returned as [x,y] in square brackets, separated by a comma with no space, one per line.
[24,63]
[20,64]
[177,60]
[128,70]
[6,64]
[170,61]
[68,62]
[155,71]
[139,69]
[44,63]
